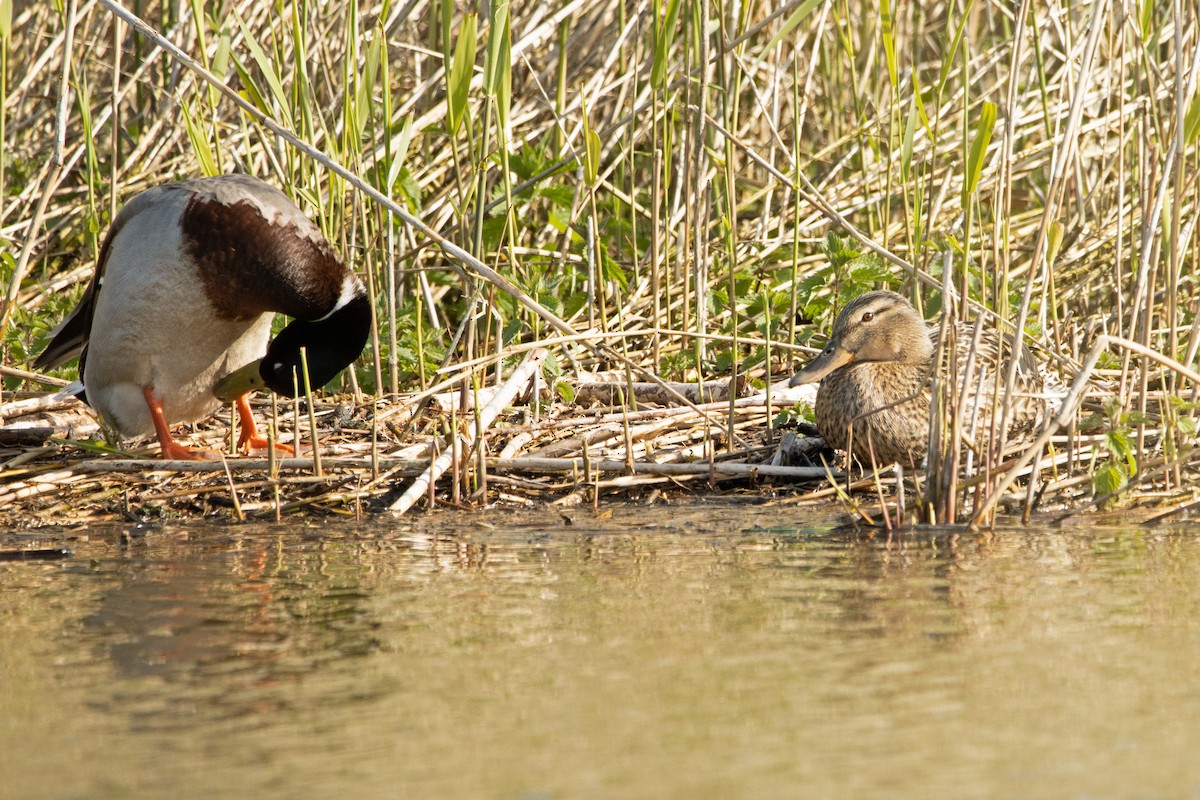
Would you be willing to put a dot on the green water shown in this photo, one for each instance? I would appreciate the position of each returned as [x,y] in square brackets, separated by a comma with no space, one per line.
[702,651]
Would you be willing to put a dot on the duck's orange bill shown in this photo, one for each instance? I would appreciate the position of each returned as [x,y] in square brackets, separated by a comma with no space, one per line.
[830,359]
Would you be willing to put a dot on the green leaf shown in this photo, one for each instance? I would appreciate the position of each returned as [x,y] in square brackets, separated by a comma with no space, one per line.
[462,68]
[979,145]
[446,24]
[5,20]
[1146,19]
[200,144]
[591,164]
[1118,443]
[560,194]
[919,104]
[512,330]
[220,61]
[1191,122]
[249,87]
[403,138]
[612,270]
[663,33]
[838,250]
[498,67]
[565,390]
[551,301]
[868,269]
[559,217]
[364,97]
[889,40]
[411,190]
[1107,480]
[809,285]
[267,68]
[952,51]
[493,232]
[790,24]
[1054,241]
[527,162]
[906,148]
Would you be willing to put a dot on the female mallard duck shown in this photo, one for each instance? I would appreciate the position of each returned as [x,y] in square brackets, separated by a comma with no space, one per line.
[875,373]
[177,317]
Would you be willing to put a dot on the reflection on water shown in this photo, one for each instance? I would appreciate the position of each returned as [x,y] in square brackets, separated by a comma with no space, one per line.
[704,651]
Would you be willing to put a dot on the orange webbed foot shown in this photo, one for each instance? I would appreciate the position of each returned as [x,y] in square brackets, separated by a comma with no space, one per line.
[171,450]
[259,442]
[249,438]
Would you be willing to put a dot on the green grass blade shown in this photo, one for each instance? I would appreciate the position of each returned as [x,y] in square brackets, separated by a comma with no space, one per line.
[952,51]
[267,68]
[366,86]
[200,143]
[498,71]
[401,151]
[250,87]
[663,33]
[979,146]
[462,68]
[889,40]
[790,24]
[1191,122]
[591,167]
[919,104]
[906,148]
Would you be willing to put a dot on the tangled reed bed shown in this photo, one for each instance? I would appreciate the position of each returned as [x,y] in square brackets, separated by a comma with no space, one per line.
[369,459]
[654,183]
[376,456]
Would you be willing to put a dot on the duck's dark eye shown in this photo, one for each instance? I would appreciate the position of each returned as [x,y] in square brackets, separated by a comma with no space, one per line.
[868,316]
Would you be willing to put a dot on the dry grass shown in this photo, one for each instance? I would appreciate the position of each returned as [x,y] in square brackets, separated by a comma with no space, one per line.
[640,189]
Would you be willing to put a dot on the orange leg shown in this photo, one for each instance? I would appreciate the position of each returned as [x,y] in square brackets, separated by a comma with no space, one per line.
[249,438]
[171,450]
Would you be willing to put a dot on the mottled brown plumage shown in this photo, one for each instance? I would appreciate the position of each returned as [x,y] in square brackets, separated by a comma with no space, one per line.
[875,377]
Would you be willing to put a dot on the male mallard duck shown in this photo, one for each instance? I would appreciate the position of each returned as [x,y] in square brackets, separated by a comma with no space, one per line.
[177,316]
[875,373]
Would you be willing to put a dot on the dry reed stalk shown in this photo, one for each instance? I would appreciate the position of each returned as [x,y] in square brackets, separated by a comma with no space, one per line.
[715,469]
[462,443]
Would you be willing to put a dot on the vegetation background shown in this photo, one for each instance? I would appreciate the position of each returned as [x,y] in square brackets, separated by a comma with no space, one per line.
[695,184]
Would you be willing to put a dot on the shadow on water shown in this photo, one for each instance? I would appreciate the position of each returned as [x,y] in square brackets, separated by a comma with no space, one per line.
[709,650]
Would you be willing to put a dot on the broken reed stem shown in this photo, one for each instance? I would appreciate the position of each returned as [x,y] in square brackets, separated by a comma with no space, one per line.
[521,376]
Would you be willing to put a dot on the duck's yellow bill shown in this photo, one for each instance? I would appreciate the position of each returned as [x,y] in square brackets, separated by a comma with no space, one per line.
[830,359]
[239,382]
